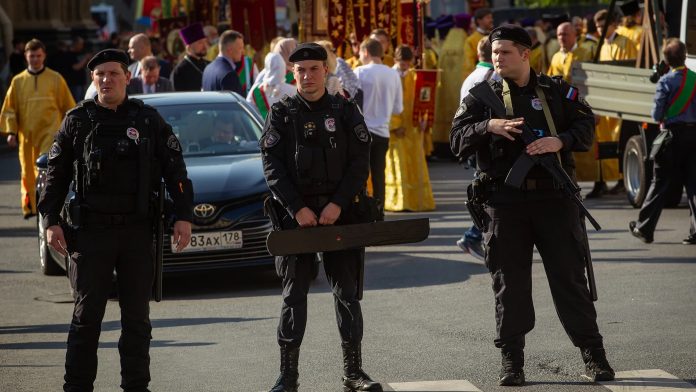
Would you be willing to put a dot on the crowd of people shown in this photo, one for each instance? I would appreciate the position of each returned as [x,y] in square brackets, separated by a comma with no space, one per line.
[528,66]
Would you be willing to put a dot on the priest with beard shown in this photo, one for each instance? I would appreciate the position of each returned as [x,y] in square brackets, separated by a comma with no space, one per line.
[188,74]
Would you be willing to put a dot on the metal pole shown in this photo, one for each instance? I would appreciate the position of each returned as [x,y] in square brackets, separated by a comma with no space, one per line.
[610,16]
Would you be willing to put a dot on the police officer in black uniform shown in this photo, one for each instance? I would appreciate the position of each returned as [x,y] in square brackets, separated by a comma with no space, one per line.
[315,150]
[115,151]
[537,215]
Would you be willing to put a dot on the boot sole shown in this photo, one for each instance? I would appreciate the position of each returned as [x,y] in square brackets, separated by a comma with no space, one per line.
[373,389]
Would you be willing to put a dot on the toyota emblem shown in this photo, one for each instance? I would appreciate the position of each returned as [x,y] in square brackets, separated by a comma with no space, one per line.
[204,210]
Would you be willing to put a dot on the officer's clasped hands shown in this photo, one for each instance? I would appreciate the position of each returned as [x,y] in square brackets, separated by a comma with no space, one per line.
[305,217]
[330,214]
[504,127]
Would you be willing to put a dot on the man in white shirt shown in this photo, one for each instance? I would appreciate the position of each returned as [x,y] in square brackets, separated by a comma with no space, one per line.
[471,240]
[484,68]
[382,97]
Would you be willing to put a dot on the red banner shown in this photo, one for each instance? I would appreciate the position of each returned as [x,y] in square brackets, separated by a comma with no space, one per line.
[424,98]
[407,32]
[362,16]
[255,19]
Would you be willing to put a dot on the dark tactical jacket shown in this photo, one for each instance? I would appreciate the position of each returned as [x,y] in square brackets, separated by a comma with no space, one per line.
[119,146]
[314,149]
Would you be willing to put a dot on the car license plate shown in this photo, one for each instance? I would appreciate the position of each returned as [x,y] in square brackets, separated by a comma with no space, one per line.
[213,240]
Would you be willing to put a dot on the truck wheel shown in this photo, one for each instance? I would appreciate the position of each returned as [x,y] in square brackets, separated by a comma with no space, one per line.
[674,195]
[48,265]
[635,178]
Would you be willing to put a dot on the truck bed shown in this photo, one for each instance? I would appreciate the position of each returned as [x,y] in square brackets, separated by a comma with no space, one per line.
[616,89]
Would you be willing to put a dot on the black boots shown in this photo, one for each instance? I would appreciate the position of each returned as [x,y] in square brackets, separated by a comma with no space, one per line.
[512,371]
[287,381]
[355,378]
[596,365]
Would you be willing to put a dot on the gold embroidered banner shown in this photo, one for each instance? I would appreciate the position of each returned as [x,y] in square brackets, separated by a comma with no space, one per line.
[361,17]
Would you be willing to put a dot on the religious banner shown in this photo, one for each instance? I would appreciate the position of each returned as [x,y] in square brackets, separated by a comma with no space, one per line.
[424,98]
[361,17]
[255,19]
[169,33]
[407,20]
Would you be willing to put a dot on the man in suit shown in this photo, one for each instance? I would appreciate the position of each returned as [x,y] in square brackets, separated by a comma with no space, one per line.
[139,47]
[150,80]
[221,73]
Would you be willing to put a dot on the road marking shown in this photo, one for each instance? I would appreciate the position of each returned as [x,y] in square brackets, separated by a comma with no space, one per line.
[652,380]
[433,386]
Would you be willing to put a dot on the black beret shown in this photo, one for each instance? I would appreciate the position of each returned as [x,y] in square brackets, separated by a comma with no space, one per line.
[308,51]
[512,33]
[108,55]
[629,8]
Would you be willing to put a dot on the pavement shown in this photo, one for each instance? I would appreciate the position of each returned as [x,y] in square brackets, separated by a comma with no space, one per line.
[428,313]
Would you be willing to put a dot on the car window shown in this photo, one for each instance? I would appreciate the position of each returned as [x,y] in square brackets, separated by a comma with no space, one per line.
[212,128]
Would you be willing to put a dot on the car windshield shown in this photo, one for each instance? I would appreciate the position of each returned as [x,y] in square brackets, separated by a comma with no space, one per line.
[212,128]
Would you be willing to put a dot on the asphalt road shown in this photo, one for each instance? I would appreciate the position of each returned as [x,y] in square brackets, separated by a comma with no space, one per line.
[428,311]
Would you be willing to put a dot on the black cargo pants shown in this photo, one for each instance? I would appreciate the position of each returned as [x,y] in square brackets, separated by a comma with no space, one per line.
[553,225]
[342,270]
[679,165]
[95,252]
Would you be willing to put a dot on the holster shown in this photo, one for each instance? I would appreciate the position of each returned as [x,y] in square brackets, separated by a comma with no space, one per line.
[662,146]
[363,209]
[476,197]
[75,214]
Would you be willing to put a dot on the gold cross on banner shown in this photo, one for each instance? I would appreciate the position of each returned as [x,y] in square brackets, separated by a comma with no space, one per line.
[360,5]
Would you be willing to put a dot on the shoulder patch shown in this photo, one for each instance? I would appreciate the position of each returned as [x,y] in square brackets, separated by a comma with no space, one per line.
[362,133]
[173,143]
[55,151]
[462,109]
[270,139]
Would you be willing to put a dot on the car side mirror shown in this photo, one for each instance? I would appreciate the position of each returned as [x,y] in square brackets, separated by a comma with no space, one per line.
[42,161]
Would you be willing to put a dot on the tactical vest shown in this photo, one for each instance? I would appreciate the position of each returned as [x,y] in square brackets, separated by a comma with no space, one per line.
[319,150]
[504,153]
[117,163]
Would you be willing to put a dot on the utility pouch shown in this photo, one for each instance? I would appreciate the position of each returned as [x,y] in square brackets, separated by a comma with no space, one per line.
[661,147]
[75,214]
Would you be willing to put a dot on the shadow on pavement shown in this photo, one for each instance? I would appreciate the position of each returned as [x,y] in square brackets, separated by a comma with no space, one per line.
[18,232]
[115,325]
[62,345]
[660,260]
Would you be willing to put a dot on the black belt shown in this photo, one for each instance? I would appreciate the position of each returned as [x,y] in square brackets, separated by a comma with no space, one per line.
[530,184]
[691,127]
[94,218]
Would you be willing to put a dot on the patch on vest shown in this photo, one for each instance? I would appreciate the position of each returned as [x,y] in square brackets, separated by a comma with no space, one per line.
[173,143]
[536,104]
[270,139]
[361,133]
[55,151]
[461,110]
[132,134]
[330,124]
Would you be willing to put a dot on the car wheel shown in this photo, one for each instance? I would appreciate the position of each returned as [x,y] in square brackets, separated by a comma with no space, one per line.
[49,266]
[635,176]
